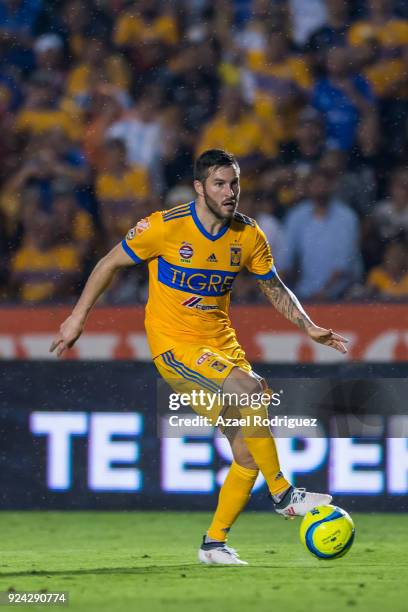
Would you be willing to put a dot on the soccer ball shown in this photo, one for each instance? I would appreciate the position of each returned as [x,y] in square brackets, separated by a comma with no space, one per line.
[327,532]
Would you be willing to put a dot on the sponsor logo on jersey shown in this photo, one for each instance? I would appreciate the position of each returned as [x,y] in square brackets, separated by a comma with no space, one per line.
[235,255]
[212,258]
[194,302]
[218,365]
[203,357]
[142,225]
[186,252]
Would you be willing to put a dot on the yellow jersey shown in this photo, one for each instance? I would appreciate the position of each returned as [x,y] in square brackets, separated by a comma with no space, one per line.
[191,274]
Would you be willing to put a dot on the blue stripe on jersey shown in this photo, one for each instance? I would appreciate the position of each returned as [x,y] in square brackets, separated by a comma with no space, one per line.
[165,219]
[185,208]
[131,253]
[187,373]
[272,272]
[195,280]
[178,211]
[178,207]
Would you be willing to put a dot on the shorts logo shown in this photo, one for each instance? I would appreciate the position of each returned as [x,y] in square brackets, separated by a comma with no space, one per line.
[203,357]
[218,365]
[186,252]
[235,255]
[142,225]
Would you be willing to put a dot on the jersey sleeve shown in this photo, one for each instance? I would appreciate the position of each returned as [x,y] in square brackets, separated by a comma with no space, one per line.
[260,262]
[145,240]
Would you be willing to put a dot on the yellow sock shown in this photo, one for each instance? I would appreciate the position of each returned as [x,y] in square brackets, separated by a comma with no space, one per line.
[233,497]
[262,447]
[265,456]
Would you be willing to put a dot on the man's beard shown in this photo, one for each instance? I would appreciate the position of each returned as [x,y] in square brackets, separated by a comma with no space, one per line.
[215,208]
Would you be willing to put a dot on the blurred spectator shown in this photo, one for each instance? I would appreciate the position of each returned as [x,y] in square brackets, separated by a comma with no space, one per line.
[177,150]
[390,217]
[74,21]
[72,225]
[122,191]
[307,17]
[382,41]
[264,16]
[381,25]
[50,160]
[78,22]
[343,98]
[140,129]
[355,188]
[390,279]
[288,179]
[192,83]
[309,143]
[4,256]
[286,184]
[9,101]
[321,243]
[277,81]
[386,73]
[97,66]
[145,32]
[236,129]
[43,110]
[17,25]
[142,22]
[42,271]
[368,160]
[264,214]
[106,107]
[48,50]
[331,34]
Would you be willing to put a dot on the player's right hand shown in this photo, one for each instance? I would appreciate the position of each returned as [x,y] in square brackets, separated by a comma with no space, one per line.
[69,332]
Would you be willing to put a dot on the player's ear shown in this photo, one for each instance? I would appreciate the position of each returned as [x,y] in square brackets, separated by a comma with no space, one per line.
[198,186]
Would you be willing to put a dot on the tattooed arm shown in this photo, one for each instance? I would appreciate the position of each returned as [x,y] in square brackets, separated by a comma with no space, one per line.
[289,306]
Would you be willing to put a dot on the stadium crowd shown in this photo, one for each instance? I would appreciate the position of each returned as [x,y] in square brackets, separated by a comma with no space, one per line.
[105,103]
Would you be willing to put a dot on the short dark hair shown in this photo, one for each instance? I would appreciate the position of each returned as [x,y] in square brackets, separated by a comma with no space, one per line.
[210,158]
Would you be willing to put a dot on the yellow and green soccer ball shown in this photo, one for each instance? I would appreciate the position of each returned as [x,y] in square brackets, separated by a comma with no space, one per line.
[327,532]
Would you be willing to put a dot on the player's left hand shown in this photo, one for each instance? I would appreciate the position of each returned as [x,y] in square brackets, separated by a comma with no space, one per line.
[328,337]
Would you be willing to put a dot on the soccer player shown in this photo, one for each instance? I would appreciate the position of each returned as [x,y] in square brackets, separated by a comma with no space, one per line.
[194,251]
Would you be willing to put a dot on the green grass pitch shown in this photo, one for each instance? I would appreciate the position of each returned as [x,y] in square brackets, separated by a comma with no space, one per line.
[147,562]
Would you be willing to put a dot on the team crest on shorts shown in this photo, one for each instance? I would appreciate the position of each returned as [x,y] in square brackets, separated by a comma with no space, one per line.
[203,357]
[186,252]
[218,365]
[142,225]
[235,255]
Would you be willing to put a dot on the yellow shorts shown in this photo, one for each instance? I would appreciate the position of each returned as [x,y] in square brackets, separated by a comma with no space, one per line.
[201,367]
